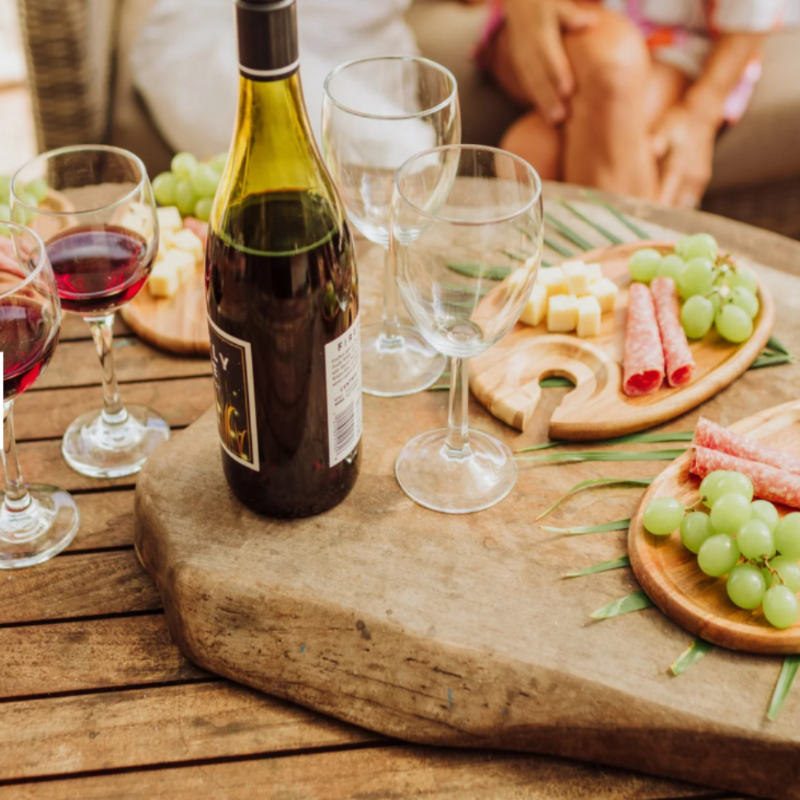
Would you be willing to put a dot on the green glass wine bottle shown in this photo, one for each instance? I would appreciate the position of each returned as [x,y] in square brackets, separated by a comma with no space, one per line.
[282,291]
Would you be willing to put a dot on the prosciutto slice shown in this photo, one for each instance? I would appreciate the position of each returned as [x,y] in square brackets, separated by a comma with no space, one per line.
[643,355]
[677,355]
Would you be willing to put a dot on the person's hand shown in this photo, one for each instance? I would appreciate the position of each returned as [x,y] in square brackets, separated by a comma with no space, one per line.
[537,50]
[683,142]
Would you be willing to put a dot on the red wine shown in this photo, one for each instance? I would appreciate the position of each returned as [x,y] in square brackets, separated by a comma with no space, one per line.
[27,341]
[279,318]
[99,268]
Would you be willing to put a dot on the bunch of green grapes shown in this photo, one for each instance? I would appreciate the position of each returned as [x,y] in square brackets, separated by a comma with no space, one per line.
[190,185]
[741,538]
[31,195]
[716,291]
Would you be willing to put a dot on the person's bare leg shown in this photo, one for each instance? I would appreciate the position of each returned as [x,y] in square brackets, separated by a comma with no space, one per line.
[606,137]
[533,139]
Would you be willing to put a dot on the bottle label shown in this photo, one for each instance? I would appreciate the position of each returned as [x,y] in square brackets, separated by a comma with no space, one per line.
[232,362]
[343,376]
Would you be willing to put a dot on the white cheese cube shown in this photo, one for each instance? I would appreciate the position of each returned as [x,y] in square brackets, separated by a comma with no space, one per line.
[138,219]
[536,307]
[552,278]
[594,272]
[163,248]
[606,291]
[516,279]
[182,262]
[588,316]
[164,280]
[562,313]
[576,277]
[169,218]
[189,242]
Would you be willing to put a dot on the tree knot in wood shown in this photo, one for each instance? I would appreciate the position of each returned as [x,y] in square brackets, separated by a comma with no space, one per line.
[362,626]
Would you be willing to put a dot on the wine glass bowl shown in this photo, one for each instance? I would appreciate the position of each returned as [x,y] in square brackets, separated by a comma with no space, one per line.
[94,208]
[466,242]
[377,113]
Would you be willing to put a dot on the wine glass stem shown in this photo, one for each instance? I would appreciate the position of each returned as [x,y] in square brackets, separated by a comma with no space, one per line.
[17,497]
[457,442]
[102,328]
[391,335]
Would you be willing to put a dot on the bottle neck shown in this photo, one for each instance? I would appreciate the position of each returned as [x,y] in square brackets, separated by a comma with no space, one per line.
[267,39]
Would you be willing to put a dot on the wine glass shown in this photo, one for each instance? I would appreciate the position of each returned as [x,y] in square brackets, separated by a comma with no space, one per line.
[97,216]
[466,238]
[376,113]
[37,521]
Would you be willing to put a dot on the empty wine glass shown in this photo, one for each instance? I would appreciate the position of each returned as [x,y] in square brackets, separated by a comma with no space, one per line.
[376,113]
[94,209]
[36,521]
[466,238]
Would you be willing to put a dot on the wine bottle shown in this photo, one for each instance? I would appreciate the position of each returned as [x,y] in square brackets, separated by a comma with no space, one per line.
[282,291]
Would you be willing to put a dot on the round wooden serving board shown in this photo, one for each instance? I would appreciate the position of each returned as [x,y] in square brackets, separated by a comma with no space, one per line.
[506,378]
[669,574]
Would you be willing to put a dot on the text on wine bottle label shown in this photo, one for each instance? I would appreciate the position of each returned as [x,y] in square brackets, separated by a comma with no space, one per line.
[343,377]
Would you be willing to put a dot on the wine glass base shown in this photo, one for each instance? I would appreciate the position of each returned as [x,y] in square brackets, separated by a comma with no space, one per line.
[397,367]
[43,530]
[97,449]
[436,480]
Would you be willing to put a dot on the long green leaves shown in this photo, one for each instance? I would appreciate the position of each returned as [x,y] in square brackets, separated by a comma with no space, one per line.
[595,482]
[623,218]
[612,237]
[560,249]
[607,455]
[616,525]
[633,602]
[770,360]
[690,656]
[605,566]
[641,438]
[478,270]
[569,234]
[774,344]
[785,680]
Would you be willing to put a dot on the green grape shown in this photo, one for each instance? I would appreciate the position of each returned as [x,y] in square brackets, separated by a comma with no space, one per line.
[730,512]
[741,276]
[202,208]
[718,555]
[185,198]
[764,511]
[755,540]
[788,570]
[709,488]
[662,516]
[218,162]
[733,324]
[205,181]
[697,277]
[695,529]
[5,189]
[736,483]
[643,264]
[671,266]
[746,300]
[716,301]
[746,586]
[5,213]
[183,165]
[37,188]
[164,186]
[787,536]
[780,606]
[22,214]
[701,245]
[682,246]
[697,316]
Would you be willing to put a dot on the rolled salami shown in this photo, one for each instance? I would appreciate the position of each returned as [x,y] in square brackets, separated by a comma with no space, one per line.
[769,483]
[677,355]
[643,355]
[715,437]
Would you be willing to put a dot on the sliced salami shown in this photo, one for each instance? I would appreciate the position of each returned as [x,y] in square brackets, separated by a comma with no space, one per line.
[677,355]
[715,437]
[769,483]
[643,355]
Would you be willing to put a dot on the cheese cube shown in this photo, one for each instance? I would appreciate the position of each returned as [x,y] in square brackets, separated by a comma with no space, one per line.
[163,248]
[169,218]
[552,278]
[536,307]
[139,219]
[189,242]
[516,279]
[164,280]
[562,313]
[606,291]
[182,262]
[588,316]
[576,277]
[594,272]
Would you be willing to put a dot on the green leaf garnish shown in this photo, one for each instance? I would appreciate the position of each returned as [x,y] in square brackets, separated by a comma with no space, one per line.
[633,602]
[605,566]
[608,455]
[774,344]
[771,360]
[560,249]
[640,438]
[595,482]
[612,237]
[516,256]
[606,527]
[480,270]
[782,688]
[568,233]
[690,656]
[623,218]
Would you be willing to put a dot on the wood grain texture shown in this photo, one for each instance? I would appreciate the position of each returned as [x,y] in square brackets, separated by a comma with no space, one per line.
[669,574]
[506,378]
[177,324]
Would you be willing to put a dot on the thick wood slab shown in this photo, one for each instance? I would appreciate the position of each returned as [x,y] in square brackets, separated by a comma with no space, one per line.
[669,574]
[506,378]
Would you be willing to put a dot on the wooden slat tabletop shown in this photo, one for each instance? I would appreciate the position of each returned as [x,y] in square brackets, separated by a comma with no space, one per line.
[97,702]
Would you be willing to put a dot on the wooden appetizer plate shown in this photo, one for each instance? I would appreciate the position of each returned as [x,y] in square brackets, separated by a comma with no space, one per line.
[669,574]
[506,378]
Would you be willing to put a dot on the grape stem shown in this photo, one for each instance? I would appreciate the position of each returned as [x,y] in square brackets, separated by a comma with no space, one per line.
[772,570]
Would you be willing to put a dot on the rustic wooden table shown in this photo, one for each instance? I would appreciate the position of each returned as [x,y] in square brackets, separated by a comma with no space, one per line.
[97,701]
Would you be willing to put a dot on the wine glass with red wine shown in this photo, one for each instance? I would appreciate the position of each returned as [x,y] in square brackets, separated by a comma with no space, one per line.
[97,217]
[36,521]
